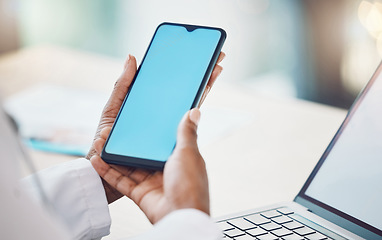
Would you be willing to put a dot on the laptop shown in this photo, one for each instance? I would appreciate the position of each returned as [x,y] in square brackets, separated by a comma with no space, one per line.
[342,198]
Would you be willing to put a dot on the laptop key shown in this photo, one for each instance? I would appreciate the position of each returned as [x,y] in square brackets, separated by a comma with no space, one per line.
[293,236]
[293,225]
[316,236]
[224,226]
[282,219]
[285,211]
[304,231]
[244,237]
[271,214]
[281,232]
[270,226]
[256,232]
[257,219]
[241,224]
[268,236]
[234,233]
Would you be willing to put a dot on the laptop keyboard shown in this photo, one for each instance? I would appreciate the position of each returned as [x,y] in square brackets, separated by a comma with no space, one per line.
[276,224]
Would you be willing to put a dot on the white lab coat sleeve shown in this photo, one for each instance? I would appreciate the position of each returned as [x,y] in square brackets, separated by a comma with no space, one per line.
[185,224]
[77,197]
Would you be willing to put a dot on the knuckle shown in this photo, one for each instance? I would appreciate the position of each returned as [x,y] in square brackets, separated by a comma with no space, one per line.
[116,83]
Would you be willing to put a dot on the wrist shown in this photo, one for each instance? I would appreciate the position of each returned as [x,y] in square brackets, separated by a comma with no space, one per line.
[197,204]
[111,194]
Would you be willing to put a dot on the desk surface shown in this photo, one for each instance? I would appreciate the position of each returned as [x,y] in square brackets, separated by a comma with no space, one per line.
[264,159]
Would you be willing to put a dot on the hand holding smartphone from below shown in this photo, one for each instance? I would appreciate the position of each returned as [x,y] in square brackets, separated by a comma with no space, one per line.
[183,183]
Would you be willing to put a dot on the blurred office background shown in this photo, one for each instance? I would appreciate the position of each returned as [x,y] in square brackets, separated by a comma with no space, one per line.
[323,51]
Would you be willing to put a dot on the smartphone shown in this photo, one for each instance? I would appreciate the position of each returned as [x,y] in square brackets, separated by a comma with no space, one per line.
[170,80]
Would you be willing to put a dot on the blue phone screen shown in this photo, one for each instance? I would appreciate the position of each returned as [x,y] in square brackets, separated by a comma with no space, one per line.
[163,92]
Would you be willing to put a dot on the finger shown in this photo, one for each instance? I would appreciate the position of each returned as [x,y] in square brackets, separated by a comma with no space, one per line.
[214,75]
[187,135]
[153,182]
[105,132]
[136,174]
[125,170]
[126,62]
[123,83]
[205,93]
[221,57]
[217,70]
[130,69]
[98,145]
[117,180]
[139,175]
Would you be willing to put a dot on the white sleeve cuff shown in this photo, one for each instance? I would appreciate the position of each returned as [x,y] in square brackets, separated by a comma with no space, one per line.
[184,224]
[77,196]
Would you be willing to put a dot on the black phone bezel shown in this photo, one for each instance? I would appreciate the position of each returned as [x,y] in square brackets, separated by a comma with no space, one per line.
[151,163]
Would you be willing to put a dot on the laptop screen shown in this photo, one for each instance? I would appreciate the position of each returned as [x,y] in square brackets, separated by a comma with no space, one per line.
[348,178]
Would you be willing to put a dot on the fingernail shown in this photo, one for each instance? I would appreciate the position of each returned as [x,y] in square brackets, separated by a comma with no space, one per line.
[127,61]
[194,116]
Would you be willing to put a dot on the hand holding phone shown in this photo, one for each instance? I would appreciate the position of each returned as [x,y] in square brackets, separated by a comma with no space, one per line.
[170,80]
[182,185]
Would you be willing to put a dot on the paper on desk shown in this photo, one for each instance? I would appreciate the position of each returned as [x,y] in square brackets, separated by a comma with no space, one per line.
[57,118]
[64,120]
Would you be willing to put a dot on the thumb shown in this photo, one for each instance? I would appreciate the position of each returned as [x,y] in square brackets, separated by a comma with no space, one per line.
[187,135]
